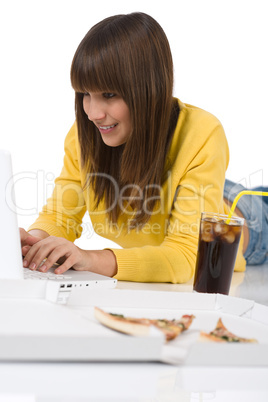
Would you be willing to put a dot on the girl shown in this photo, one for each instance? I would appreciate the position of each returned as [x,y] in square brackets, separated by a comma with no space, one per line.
[141,162]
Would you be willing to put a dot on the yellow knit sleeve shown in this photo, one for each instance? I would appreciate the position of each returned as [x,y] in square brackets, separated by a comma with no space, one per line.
[62,215]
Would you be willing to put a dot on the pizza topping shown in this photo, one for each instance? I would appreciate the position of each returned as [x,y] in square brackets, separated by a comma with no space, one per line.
[117,315]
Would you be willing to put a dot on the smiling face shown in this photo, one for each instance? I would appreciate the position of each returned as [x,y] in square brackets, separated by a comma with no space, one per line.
[110,114]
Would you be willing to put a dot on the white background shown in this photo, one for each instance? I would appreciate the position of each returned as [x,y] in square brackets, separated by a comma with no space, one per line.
[221,65]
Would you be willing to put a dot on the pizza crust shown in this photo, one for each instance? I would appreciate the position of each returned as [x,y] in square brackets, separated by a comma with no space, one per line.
[122,325]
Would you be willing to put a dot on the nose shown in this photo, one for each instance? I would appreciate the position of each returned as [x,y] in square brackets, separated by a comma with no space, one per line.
[94,108]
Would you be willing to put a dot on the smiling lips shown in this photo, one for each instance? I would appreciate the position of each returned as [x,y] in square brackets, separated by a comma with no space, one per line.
[107,128]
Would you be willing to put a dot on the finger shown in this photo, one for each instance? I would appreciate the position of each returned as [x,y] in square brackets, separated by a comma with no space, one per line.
[69,262]
[37,253]
[23,236]
[58,253]
[25,250]
[31,240]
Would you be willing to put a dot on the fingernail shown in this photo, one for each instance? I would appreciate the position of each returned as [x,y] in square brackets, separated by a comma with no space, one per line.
[32,265]
[42,269]
[25,263]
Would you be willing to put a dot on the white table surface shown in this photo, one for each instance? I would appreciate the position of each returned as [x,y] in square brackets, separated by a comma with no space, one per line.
[251,284]
[144,382]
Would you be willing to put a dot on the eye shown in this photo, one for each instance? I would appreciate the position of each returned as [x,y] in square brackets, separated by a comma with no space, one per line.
[108,95]
[86,94]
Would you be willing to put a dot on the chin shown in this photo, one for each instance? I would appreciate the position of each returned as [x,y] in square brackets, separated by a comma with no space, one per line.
[112,143]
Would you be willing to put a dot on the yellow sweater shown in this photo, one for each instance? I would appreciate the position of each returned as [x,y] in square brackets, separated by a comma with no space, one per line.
[164,250]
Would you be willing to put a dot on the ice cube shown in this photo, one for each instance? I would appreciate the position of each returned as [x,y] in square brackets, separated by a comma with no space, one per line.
[208,237]
[207,231]
[236,229]
[228,237]
[220,229]
[207,227]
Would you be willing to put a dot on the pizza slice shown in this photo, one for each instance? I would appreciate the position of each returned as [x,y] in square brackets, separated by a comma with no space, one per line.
[141,326]
[221,334]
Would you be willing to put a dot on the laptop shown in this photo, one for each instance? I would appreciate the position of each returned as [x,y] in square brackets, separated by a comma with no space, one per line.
[16,281]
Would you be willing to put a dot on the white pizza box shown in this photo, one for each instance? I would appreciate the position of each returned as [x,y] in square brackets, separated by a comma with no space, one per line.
[37,330]
[242,317]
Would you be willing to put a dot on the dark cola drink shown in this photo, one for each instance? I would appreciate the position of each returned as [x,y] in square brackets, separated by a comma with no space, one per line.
[217,250]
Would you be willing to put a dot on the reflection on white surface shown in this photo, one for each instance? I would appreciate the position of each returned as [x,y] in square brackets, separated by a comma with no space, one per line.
[228,396]
[251,284]
[255,284]
[202,396]
[127,382]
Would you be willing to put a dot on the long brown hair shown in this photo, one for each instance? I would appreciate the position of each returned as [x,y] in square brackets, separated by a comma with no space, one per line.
[128,55]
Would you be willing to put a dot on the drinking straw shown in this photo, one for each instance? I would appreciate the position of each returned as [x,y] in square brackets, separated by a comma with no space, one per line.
[239,195]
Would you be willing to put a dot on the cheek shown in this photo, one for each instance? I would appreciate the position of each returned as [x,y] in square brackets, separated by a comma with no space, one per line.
[126,116]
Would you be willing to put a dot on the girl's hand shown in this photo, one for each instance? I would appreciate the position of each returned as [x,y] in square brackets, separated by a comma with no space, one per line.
[55,250]
[27,240]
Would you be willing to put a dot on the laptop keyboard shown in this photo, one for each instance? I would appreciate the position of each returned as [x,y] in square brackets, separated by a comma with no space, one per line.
[28,274]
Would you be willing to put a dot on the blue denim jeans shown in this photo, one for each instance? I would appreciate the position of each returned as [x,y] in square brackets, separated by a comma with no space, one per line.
[255,211]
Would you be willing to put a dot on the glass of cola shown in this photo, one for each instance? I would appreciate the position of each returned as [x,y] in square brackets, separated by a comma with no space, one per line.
[219,238]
